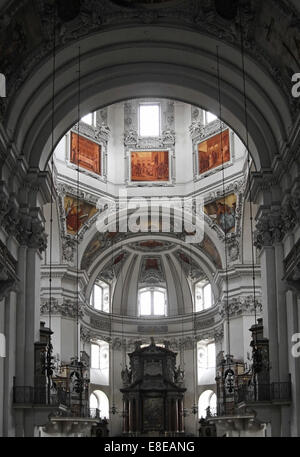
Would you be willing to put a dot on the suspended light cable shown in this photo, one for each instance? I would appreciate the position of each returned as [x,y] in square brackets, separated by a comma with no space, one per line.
[113,408]
[224,205]
[78,204]
[49,357]
[52,169]
[249,168]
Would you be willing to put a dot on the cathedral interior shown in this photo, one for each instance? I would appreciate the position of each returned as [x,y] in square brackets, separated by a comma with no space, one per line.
[150,218]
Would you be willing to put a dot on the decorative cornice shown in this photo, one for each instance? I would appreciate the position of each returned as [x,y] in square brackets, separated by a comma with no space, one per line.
[68,308]
[99,15]
[239,306]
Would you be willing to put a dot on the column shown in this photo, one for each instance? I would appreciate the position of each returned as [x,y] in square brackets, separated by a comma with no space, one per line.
[32,322]
[32,316]
[176,415]
[2,391]
[269,300]
[20,333]
[293,317]
[282,333]
[130,415]
[281,314]
[137,415]
[9,363]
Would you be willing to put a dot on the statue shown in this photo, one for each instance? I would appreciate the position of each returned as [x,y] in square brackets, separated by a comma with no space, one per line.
[178,375]
[126,375]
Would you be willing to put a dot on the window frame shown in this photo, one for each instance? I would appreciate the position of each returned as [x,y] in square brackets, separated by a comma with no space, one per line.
[204,283]
[206,113]
[92,296]
[152,290]
[94,119]
[159,119]
[101,346]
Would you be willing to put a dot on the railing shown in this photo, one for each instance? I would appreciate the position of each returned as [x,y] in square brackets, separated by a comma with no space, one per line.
[39,396]
[27,395]
[276,391]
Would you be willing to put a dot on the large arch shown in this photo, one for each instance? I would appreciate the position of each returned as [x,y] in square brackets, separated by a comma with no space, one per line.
[148,61]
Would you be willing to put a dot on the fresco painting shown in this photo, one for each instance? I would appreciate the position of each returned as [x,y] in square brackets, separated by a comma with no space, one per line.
[150,166]
[77,212]
[223,214]
[87,153]
[210,153]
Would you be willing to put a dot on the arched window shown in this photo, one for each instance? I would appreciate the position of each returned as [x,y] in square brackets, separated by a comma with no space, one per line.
[98,400]
[203,296]
[99,298]
[152,301]
[100,362]
[207,399]
[206,362]
[94,403]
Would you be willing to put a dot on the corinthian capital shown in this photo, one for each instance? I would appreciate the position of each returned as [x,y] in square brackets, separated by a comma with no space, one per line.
[270,228]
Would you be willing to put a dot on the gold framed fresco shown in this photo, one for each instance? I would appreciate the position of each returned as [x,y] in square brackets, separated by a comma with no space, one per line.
[86,153]
[77,212]
[209,152]
[223,212]
[150,166]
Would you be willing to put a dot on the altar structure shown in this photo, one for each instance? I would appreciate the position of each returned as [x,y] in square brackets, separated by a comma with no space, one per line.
[153,393]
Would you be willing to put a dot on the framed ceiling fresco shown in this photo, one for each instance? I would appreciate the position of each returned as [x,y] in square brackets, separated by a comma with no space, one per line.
[77,212]
[149,166]
[150,161]
[212,150]
[86,153]
[210,153]
[223,212]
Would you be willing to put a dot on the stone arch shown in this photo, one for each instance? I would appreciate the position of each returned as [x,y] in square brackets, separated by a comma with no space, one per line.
[123,65]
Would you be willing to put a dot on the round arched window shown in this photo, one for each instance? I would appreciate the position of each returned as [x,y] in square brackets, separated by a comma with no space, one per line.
[207,399]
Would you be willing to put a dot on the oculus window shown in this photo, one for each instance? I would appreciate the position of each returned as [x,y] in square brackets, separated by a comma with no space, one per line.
[99,298]
[149,120]
[152,301]
[203,296]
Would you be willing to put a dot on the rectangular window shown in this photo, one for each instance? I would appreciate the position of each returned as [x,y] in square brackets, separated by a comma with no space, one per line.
[159,303]
[89,119]
[98,297]
[210,117]
[149,120]
[211,355]
[95,356]
[145,304]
